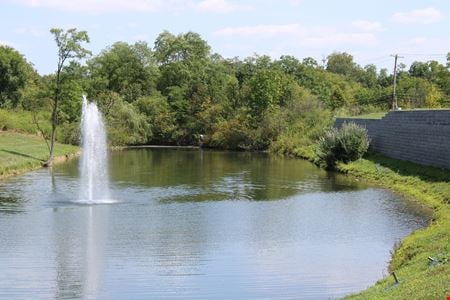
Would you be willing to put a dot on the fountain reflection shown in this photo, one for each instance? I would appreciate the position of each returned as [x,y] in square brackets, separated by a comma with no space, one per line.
[79,251]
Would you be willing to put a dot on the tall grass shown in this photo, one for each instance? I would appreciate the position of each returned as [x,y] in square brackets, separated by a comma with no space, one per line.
[23,121]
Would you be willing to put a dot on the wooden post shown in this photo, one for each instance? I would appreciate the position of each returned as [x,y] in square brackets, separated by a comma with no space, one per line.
[394,95]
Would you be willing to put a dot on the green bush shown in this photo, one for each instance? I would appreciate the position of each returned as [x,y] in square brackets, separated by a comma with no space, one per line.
[349,143]
[69,133]
[232,134]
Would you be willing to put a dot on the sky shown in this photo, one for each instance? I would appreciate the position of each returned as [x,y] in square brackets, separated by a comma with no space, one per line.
[369,30]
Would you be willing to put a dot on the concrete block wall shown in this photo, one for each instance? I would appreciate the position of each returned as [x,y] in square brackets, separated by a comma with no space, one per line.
[421,136]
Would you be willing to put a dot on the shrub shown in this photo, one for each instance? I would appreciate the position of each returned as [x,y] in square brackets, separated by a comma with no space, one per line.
[69,133]
[349,143]
[232,134]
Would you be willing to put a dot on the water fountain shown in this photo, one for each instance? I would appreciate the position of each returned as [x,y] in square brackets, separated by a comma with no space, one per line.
[93,163]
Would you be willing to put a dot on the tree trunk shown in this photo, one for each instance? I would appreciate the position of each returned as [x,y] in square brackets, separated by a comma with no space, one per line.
[49,162]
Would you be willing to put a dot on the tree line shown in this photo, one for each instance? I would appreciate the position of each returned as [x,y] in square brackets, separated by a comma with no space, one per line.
[180,92]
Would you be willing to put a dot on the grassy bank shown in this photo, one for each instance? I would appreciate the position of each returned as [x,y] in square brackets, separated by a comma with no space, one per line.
[22,152]
[422,261]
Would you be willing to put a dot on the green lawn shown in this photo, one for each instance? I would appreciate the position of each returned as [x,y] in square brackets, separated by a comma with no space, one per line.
[377,115]
[22,152]
[380,115]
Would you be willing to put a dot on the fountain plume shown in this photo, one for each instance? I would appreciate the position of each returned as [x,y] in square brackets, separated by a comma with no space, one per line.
[93,164]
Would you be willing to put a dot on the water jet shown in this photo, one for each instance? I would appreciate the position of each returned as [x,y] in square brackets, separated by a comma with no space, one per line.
[94,183]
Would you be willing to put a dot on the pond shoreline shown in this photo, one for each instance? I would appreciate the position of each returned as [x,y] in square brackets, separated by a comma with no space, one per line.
[154,146]
[21,170]
[421,260]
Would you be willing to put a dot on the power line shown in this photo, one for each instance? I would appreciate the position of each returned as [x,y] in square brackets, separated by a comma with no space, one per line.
[424,54]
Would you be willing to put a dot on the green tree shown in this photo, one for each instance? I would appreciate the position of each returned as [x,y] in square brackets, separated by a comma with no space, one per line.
[129,70]
[384,79]
[416,92]
[160,118]
[310,62]
[341,63]
[420,69]
[368,76]
[263,91]
[15,74]
[434,97]
[69,48]
[185,64]
[336,99]
[126,125]
[181,58]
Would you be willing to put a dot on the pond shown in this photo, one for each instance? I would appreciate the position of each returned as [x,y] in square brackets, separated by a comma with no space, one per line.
[196,224]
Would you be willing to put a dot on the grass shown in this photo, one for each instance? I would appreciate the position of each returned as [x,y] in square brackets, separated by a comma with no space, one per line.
[22,121]
[22,152]
[419,277]
[376,116]
[380,115]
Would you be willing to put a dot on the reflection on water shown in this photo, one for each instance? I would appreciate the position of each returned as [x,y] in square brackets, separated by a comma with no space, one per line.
[197,225]
[78,242]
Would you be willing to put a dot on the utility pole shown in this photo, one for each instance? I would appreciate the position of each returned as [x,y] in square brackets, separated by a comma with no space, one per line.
[394,95]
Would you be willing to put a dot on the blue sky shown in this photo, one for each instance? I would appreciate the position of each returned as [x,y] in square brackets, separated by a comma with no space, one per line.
[369,30]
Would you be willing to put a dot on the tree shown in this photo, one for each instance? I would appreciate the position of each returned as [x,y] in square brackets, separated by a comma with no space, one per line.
[15,73]
[310,62]
[129,70]
[341,63]
[369,76]
[181,58]
[384,79]
[184,61]
[336,99]
[160,118]
[69,48]
[263,91]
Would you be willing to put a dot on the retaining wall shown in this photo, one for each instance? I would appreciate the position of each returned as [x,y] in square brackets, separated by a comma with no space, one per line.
[418,136]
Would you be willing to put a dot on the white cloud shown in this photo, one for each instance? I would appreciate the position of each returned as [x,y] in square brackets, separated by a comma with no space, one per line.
[366,25]
[420,16]
[424,44]
[219,6]
[100,6]
[146,6]
[302,35]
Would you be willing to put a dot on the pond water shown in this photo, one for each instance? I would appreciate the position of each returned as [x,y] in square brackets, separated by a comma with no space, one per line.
[195,224]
